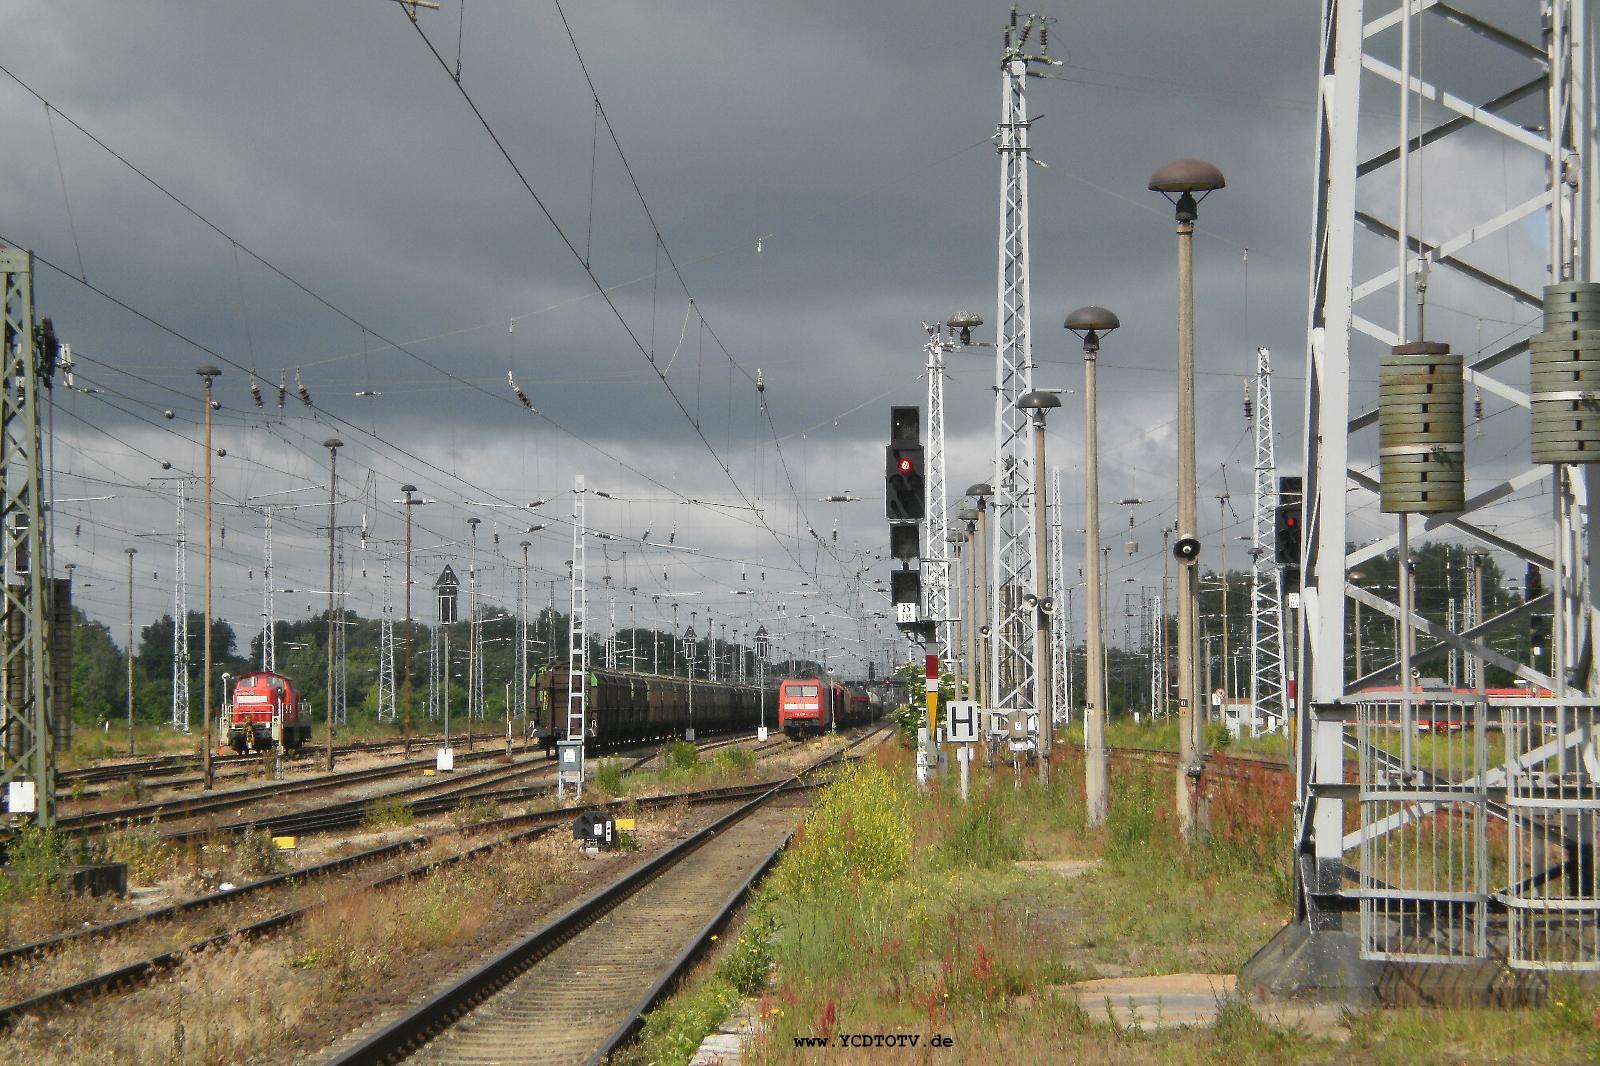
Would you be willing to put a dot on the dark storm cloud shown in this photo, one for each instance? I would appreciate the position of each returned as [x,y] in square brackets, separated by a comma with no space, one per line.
[846,138]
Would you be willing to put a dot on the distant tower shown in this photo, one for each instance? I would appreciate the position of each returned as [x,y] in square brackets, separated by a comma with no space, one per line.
[180,622]
[387,705]
[1060,629]
[1157,622]
[341,710]
[269,628]
[1267,692]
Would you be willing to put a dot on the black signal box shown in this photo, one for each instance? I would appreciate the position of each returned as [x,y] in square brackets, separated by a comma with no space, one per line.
[905,425]
[905,541]
[905,586]
[905,494]
[1286,523]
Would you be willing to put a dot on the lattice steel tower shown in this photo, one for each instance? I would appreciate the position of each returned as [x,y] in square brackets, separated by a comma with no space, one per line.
[1061,631]
[1523,96]
[936,552]
[27,751]
[388,706]
[1267,692]
[1014,660]
[341,672]
[180,620]
[269,626]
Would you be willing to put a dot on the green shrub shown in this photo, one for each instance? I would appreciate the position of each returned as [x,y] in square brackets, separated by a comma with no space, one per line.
[859,832]
[257,855]
[682,756]
[608,777]
[139,844]
[33,862]
[985,835]
[748,960]
[389,811]
[734,760]
[907,718]
[475,812]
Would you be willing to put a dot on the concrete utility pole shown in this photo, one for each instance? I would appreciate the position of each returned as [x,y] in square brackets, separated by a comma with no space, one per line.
[208,373]
[333,444]
[1179,181]
[131,553]
[1091,324]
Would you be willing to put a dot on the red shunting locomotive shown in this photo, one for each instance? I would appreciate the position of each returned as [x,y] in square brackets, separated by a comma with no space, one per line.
[267,711]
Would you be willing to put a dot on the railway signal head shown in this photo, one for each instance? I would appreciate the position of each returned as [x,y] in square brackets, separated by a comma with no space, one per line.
[1286,524]
[904,542]
[904,490]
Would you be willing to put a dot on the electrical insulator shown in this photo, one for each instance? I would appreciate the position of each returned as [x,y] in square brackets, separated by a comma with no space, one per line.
[1249,404]
[255,392]
[672,537]
[1477,402]
[283,390]
[300,389]
[522,396]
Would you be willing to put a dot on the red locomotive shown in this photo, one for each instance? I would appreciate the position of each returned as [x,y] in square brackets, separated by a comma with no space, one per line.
[814,705]
[266,710]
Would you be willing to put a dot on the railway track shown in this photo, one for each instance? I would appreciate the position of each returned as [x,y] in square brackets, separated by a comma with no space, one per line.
[517,828]
[187,807]
[322,819]
[575,989]
[166,765]
[1229,766]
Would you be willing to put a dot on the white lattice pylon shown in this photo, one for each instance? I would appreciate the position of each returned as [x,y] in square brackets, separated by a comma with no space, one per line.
[1545,166]
[1015,660]
[1267,691]
[1061,631]
[936,551]
[180,620]
[388,706]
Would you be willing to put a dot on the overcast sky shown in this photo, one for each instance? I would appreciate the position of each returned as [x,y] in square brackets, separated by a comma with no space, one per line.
[821,177]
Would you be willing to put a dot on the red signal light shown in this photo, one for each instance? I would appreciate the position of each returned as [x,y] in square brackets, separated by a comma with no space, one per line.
[905,465]
[1290,521]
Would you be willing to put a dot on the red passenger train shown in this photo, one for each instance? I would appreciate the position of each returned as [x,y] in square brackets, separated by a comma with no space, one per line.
[266,710]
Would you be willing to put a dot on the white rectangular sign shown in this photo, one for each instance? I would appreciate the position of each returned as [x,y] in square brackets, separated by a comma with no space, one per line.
[905,612]
[961,721]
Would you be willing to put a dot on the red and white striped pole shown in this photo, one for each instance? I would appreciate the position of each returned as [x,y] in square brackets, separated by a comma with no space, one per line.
[926,758]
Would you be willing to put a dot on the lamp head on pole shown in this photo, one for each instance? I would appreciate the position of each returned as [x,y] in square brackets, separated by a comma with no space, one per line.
[1181,179]
[965,322]
[333,443]
[1090,324]
[1039,402]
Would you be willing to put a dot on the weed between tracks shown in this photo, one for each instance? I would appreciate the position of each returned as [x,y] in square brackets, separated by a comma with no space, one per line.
[900,912]
[248,1001]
